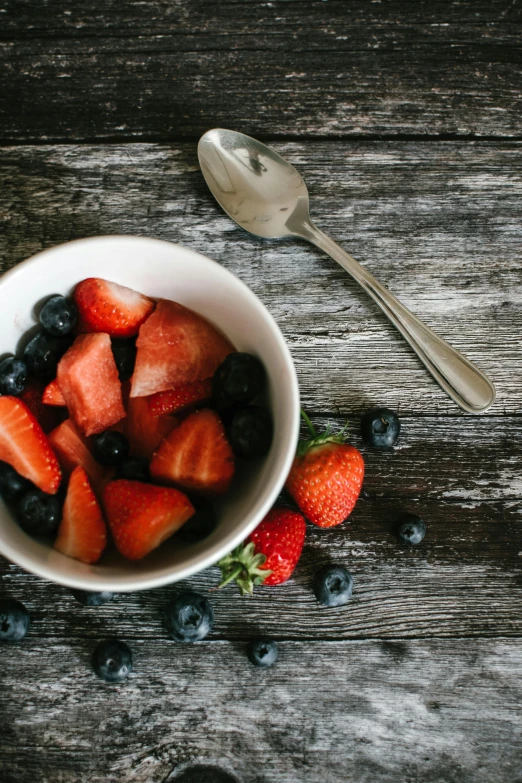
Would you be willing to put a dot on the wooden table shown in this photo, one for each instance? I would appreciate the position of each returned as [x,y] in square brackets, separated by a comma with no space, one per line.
[404,119]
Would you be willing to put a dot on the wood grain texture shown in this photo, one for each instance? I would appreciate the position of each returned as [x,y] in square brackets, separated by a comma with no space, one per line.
[440,224]
[173,69]
[366,711]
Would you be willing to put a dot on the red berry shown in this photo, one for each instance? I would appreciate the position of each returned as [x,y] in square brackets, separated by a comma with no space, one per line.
[104,306]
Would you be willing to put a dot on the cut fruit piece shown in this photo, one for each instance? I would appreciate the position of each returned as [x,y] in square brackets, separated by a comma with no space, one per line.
[104,306]
[72,450]
[182,397]
[24,446]
[47,418]
[53,394]
[143,430]
[176,346]
[82,533]
[89,381]
[196,455]
[141,516]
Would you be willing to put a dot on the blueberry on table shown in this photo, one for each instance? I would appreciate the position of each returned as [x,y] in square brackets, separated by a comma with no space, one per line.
[92,599]
[14,620]
[12,484]
[201,524]
[380,428]
[411,529]
[124,352]
[43,352]
[189,617]
[237,380]
[111,448]
[262,652]
[13,376]
[58,316]
[38,513]
[333,585]
[112,660]
[134,469]
[250,432]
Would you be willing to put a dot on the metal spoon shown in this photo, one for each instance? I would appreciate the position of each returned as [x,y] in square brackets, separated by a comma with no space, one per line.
[265,195]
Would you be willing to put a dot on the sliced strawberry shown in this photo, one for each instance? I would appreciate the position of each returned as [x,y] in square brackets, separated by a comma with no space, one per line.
[182,397]
[47,418]
[82,533]
[24,445]
[141,516]
[104,306]
[72,450]
[196,455]
[143,430]
[53,394]
[176,346]
[89,381]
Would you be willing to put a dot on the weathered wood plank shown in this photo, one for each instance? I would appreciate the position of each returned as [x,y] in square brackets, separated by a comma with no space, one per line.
[365,711]
[170,70]
[439,223]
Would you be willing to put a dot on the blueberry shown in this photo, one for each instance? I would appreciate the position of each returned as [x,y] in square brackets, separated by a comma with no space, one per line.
[201,525]
[189,617]
[14,620]
[124,352]
[111,448]
[92,599]
[112,660]
[134,469]
[43,353]
[13,376]
[380,428]
[262,651]
[237,380]
[411,529]
[58,316]
[12,485]
[39,514]
[333,585]
[250,432]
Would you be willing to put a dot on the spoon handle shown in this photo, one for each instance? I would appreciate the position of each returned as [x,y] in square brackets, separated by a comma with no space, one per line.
[459,378]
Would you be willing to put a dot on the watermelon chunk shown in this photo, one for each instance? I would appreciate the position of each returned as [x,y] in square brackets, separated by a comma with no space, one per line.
[89,381]
[72,450]
[143,430]
[176,346]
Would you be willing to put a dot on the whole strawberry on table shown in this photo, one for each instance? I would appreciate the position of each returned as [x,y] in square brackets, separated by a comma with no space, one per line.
[112,422]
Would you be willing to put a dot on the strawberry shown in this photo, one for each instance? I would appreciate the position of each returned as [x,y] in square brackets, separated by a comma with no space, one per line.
[141,516]
[177,399]
[53,394]
[72,450]
[269,555]
[24,445]
[326,478]
[89,381]
[47,418]
[82,533]
[143,430]
[196,455]
[176,346]
[104,306]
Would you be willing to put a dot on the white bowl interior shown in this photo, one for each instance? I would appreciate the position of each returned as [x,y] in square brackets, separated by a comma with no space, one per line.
[159,269]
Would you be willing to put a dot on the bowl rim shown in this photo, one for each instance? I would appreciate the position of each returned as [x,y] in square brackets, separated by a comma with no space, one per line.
[125,583]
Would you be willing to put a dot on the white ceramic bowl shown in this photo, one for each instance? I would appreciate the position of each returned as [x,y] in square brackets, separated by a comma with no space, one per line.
[159,269]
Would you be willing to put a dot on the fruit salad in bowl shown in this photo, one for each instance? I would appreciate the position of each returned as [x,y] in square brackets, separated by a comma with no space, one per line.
[148,413]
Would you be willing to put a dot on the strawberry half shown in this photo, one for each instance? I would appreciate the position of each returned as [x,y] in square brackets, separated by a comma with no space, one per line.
[176,346]
[53,394]
[143,430]
[104,306]
[82,533]
[141,516]
[89,381]
[72,450]
[269,555]
[326,478]
[196,455]
[174,400]
[24,446]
